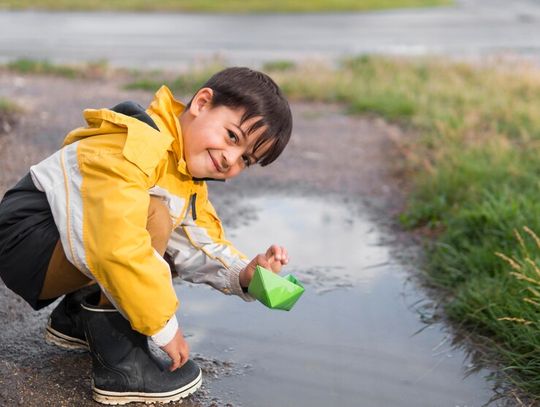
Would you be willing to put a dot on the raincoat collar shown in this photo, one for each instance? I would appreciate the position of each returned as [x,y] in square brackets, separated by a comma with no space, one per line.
[165,110]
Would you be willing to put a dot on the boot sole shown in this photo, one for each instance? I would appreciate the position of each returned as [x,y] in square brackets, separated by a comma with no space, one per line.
[53,337]
[115,398]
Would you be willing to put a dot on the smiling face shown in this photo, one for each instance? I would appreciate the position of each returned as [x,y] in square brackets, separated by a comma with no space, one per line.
[216,144]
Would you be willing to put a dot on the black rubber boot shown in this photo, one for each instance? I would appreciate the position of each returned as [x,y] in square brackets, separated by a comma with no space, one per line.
[65,327]
[124,369]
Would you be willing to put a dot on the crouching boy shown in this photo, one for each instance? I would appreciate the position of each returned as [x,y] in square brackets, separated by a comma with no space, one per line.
[106,218]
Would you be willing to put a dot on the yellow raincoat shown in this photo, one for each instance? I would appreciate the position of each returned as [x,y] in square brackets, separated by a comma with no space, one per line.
[99,186]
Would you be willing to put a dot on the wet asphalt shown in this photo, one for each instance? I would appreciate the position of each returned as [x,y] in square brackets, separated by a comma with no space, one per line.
[468,29]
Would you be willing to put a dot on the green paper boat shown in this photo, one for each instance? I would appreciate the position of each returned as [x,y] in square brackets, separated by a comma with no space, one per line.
[274,291]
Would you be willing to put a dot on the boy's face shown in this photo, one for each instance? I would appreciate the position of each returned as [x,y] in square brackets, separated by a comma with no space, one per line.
[215,144]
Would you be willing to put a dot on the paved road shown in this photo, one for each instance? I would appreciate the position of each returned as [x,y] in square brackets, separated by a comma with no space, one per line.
[170,40]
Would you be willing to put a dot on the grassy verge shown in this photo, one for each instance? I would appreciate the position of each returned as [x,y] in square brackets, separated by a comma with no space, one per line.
[183,84]
[44,67]
[7,107]
[475,164]
[8,115]
[233,6]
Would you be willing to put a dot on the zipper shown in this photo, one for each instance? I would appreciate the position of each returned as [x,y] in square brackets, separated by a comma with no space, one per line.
[193,200]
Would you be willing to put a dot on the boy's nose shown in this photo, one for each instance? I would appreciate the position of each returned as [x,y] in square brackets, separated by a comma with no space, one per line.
[230,158]
[224,162]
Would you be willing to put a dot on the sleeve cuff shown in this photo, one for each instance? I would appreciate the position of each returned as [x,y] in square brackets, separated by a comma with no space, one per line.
[167,333]
[234,281]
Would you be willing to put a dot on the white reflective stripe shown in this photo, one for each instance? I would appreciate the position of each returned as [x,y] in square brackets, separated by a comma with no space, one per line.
[202,240]
[221,252]
[49,177]
[173,202]
[199,235]
[197,266]
[167,333]
[179,247]
[74,179]
[58,176]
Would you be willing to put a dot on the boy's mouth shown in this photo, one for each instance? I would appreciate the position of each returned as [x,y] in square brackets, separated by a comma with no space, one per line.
[216,165]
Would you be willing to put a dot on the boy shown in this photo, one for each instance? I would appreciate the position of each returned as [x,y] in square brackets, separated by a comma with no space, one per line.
[123,202]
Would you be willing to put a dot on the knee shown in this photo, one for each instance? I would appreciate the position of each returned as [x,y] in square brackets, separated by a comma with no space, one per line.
[159,223]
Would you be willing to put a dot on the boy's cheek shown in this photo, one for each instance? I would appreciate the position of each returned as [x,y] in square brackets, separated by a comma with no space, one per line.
[194,168]
[233,172]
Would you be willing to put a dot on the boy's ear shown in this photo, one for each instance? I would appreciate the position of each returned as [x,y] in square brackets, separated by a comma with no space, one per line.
[201,101]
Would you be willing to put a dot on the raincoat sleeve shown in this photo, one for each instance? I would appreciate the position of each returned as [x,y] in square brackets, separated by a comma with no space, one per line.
[97,187]
[201,254]
[118,247]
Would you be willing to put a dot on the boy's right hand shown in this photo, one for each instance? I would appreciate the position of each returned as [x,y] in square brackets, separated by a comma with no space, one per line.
[274,258]
[178,350]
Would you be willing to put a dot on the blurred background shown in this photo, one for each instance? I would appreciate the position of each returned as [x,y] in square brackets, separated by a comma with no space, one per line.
[416,130]
[173,34]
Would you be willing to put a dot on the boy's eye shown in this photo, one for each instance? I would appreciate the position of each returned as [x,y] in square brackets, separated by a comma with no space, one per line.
[247,161]
[232,136]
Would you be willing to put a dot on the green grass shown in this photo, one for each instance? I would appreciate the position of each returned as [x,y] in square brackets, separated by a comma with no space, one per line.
[27,66]
[44,67]
[233,6]
[186,83]
[280,65]
[8,107]
[9,112]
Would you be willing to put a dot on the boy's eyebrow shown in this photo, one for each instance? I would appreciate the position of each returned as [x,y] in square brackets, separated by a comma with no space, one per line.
[244,135]
[241,131]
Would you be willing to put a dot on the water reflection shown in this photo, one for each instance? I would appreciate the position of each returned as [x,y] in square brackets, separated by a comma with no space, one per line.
[328,246]
[354,345]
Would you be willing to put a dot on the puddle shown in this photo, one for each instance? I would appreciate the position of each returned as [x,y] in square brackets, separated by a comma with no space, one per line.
[352,339]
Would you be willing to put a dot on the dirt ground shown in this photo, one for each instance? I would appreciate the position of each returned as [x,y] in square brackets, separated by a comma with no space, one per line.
[330,153]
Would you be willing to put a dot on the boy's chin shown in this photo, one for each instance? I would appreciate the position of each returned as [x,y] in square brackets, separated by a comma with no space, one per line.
[195,171]
[200,172]
[203,174]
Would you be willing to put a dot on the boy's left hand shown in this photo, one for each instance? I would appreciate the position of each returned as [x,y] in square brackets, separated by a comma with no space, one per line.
[274,258]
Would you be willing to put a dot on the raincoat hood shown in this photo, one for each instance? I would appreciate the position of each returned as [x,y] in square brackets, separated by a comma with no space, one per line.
[145,145]
[165,110]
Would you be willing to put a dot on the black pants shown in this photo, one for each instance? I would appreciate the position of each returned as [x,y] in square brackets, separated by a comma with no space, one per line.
[28,236]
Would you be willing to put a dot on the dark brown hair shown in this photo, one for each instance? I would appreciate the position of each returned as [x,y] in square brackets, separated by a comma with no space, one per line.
[259,96]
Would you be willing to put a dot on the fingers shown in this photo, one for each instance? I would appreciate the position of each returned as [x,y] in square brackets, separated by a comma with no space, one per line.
[277,253]
[184,355]
[262,260]
[178,351]
[271,251]
[176,362]
[179,358]
[274,258]
[285,256]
